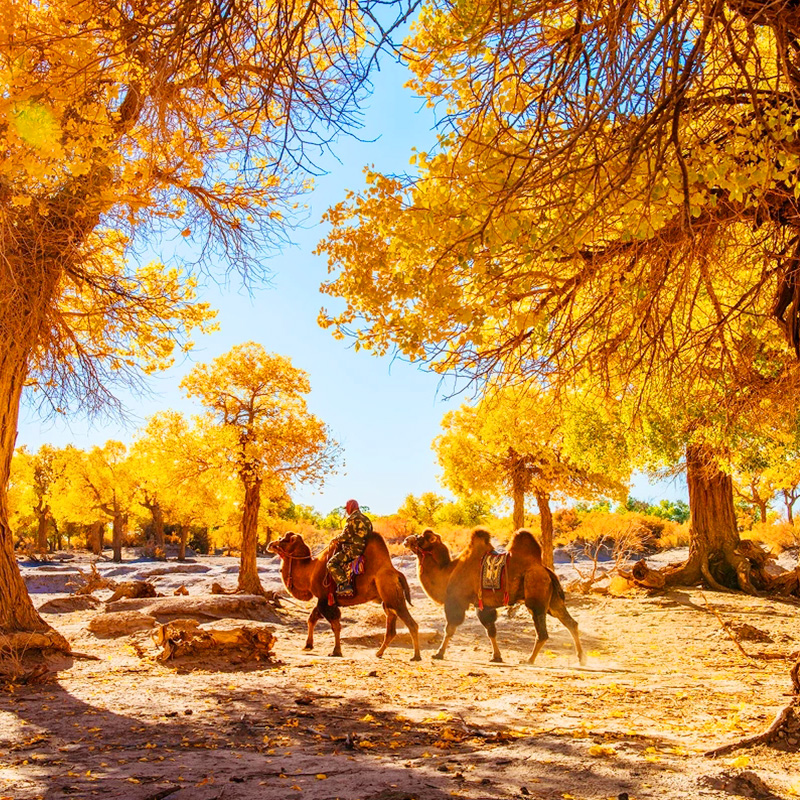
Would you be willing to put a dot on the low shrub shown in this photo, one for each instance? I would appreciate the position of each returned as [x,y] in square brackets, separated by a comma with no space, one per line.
[775,536]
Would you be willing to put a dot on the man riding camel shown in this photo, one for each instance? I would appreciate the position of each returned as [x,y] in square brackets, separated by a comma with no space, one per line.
[351,543]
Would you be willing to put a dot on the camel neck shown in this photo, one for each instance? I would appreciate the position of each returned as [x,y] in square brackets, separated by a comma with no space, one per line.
[296,572]
[434,573]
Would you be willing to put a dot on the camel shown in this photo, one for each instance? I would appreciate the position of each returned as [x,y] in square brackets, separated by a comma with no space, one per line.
[306,578]
[455,584]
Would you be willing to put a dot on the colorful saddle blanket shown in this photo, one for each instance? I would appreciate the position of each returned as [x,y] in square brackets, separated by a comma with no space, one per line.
[356,566]
[492,568]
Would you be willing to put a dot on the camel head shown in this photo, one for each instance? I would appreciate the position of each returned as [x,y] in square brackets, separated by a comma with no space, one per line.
[427,543]
[290,546]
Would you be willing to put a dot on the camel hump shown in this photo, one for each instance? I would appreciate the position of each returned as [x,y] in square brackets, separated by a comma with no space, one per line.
[376,544]
[480,542]
[525,543]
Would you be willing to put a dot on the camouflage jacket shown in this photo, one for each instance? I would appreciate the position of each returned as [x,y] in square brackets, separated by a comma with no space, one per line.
[355,530]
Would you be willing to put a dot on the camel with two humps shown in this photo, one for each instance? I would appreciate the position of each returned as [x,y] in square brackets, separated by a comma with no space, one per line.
[454,582]
[306,578]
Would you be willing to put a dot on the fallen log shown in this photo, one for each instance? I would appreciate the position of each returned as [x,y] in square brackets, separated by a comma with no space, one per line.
[133,589]
[648,578]
[189,639]
[120,623]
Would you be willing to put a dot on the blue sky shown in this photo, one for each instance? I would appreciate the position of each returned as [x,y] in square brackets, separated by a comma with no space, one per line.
[384,412]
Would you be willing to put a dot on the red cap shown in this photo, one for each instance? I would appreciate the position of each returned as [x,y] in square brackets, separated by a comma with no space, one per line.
[350,506]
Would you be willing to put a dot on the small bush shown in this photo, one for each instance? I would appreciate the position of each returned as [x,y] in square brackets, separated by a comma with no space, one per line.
[776,536]
[678,536]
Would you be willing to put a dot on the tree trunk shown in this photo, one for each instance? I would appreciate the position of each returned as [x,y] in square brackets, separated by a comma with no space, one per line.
[18,617]
[518,485]
[249,581]
[546,517]
[96,538]
[41,529]
[183,531]
[116,536]
[158,524]
[713,533]
[789,503]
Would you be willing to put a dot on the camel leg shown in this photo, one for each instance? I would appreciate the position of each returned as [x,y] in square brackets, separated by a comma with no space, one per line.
[391,593]
[540,622]
[413,629]
[559,610]
[488,617]
[333,614]
[454,614]
[391,629]
[313,618]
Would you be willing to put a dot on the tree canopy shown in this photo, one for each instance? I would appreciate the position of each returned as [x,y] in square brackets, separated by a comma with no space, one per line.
[267,433]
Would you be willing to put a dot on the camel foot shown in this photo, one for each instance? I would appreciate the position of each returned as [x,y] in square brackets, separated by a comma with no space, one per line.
[308,646]
[416,657]
[496,660]
[379,654]
[438,655]
[336,654]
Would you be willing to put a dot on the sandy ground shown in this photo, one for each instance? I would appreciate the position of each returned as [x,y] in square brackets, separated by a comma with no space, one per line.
[663,683]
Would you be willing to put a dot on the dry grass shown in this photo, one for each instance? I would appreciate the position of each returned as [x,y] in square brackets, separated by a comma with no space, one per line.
[776,536]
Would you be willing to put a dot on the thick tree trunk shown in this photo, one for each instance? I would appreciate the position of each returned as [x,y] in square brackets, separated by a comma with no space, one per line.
[249,581]
[116,536]
[95,538]
[18,617]
[41,529]
[713,533]
[183,532]
[546,517]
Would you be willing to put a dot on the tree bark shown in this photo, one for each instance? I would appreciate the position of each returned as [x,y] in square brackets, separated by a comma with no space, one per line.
[96,538]
[789,503]
[158,523]
[17,614]
[249,581]
[183,532]
[41,529]
[116,536]
[713,533]
[518,485]
[546,518]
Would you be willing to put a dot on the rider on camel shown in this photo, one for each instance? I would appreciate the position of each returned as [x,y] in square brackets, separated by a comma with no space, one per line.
[350,545]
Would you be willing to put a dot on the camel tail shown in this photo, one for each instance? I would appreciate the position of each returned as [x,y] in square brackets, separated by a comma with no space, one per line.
[406,587]
[525,542]
[557,588]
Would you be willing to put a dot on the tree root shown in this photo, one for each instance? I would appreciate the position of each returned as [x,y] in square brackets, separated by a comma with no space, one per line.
[726,628]
[21,642]
[749,566]
[781,728]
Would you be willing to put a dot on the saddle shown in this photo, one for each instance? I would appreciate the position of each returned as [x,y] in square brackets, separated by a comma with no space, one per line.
[493,572]
[355,567]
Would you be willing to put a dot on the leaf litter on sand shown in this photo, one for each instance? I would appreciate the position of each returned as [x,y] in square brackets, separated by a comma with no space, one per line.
[660,687]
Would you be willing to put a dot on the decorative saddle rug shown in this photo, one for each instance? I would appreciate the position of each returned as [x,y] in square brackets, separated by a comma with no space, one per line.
[355,567]
[492,568]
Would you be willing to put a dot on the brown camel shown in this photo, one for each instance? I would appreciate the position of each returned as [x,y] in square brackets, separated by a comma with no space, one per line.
[306,578]
[455,584]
